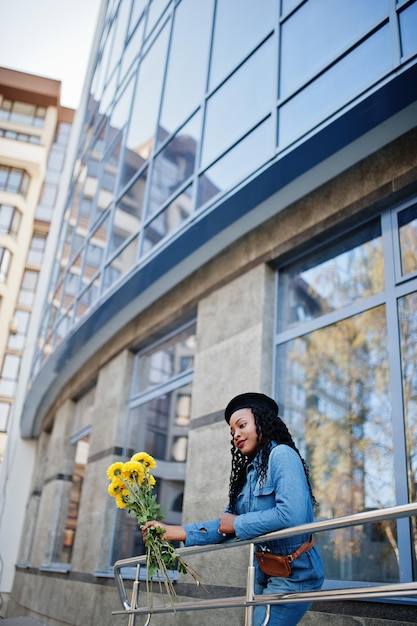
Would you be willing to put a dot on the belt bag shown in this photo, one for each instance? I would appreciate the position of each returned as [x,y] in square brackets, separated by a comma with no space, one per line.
[275,565]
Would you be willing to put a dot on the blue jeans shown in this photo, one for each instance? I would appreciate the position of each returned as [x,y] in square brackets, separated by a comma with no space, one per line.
[281,614]
[306,575]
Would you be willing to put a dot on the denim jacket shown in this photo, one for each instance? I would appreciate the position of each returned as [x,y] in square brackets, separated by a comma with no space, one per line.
[282,501]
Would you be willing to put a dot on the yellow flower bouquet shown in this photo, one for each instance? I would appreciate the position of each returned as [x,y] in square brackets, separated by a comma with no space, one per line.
[131,485]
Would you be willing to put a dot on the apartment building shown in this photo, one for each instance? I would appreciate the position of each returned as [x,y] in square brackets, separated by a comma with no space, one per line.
[34,133]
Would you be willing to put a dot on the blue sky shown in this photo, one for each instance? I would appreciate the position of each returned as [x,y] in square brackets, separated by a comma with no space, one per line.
[50,38]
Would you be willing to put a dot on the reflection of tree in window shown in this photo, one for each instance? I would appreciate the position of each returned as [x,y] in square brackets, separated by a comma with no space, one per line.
[334,387]
[407,222]
[407,309]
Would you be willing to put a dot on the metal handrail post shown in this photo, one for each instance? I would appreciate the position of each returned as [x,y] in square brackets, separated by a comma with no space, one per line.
[250,592]
[250,586]
[134,598]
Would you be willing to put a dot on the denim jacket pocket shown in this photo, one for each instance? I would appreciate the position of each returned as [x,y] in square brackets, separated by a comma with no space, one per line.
[263,490]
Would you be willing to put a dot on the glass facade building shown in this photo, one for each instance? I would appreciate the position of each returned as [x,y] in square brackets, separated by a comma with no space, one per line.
[241,214]
[184,108]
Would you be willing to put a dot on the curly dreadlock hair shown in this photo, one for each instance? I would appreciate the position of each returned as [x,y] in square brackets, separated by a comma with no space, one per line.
[273,429]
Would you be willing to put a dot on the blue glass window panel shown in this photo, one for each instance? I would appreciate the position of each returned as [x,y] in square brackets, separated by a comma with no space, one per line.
[109,175]
[94,256]
[88,298]
[175,163]
[408,26]
[253,151]
[137,10]
[239,27]
[112,159]
[96,154]
[120,33]
[120,115]
[121,264]
[106,61]
[128,212]
[95,248]
[108,95]
[133,199]
[324,35]
[132,49]
[166,361]
[63,326]
[71,283]
[169,220]
[332,278]
[289,5]
[70,289]
[157,7]
[188,61]
[240,103]
[97,82]
[144,114]
[127,216]
[345,80]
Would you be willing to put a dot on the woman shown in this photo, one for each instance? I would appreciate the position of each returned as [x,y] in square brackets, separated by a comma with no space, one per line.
[269,490]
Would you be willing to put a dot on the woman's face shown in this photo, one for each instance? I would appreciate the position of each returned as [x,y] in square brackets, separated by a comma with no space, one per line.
[243,431]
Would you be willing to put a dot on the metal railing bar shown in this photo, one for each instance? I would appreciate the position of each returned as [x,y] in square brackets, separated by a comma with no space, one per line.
[355,593]
[356,519]
[384,591]
[404,510]
[222,603]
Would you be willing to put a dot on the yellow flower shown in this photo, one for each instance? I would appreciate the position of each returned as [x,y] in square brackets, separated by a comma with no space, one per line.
[117,486]
[131,486]
[148,480]
[120,503]
[133,470]
[114,470]
[146,459]
[113,489]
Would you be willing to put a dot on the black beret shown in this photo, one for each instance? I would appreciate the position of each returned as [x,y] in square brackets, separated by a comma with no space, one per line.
[248,400]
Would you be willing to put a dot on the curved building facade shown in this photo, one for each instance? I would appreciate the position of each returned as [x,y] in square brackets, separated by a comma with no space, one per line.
[241,215]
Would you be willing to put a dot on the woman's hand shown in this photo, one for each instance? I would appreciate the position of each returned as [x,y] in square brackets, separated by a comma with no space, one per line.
[172,533]
[227,524]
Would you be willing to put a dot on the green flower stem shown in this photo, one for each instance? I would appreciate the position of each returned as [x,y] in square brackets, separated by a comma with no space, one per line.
[161,556]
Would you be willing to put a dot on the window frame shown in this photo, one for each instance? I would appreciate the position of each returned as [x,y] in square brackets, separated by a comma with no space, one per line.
[140,398]
[396,286]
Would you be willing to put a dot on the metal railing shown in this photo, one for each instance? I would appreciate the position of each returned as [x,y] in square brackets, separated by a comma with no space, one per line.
[250,600]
